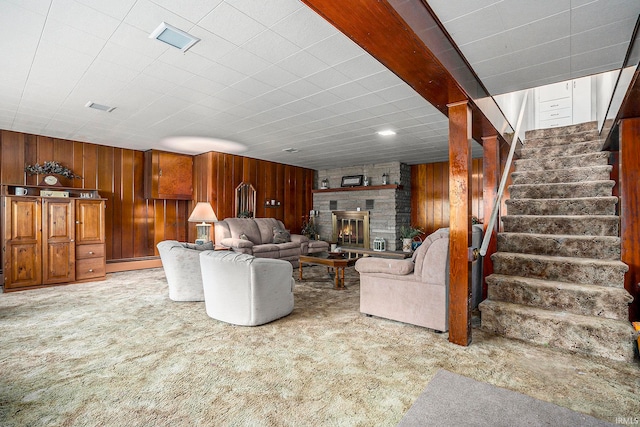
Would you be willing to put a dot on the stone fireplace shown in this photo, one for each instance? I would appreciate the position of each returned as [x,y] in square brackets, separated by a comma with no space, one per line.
[388,206]
[350,228]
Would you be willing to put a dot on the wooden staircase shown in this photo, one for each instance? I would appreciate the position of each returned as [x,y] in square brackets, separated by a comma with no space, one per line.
[558,279]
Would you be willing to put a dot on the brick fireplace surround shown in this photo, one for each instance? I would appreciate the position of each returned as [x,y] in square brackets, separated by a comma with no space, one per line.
[391,204]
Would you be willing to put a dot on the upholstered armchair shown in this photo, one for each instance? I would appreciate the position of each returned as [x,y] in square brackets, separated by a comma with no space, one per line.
[244,290]
[181,263]
[414,290]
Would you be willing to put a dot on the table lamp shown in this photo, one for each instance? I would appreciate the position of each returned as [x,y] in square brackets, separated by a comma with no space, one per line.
[203,213]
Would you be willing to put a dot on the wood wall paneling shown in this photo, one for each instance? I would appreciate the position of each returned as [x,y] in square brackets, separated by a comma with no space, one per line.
[630,209]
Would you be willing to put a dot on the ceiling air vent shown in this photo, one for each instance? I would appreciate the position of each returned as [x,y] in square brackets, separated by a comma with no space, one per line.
[99,107]
[174,37]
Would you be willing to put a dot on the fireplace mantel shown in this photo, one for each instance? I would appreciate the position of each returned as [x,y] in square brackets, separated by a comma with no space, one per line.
[359,188]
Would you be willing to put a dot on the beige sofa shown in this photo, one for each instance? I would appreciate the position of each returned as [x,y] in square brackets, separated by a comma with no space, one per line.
[414,290]
[255,236]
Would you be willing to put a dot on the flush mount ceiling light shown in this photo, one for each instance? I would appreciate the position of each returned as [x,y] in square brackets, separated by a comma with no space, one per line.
[174,37]
[201,144]
[387,132]
[290,150]
[100,107]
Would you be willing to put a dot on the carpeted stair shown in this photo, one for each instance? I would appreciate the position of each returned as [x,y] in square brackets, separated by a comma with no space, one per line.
[558,279]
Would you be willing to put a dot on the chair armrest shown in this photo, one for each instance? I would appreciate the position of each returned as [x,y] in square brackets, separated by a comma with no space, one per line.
[399,267]
[236,243]
[299,238]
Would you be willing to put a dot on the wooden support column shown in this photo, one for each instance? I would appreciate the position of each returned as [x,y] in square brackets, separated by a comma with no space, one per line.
[490,183]
[629,175]
[460,170]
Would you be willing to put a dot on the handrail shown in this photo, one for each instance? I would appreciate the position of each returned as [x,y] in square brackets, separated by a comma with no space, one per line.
[494,213]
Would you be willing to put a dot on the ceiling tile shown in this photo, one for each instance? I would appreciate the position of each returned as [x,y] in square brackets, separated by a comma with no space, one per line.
[193,11]
[266,12]
[271,46]
[83,18]
[304,28]
[231,24]
[116,9]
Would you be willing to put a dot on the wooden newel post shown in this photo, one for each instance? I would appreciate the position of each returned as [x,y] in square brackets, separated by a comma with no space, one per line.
[460,169]
[490,184]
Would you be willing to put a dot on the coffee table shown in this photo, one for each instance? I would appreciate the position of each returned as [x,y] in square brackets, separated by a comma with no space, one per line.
[337,264]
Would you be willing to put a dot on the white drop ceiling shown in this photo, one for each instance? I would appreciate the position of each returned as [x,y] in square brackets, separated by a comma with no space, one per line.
[272,74]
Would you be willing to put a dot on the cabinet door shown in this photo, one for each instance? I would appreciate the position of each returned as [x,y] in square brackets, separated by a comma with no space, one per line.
[89,221]
[58,246]
[168,175]
[22,242]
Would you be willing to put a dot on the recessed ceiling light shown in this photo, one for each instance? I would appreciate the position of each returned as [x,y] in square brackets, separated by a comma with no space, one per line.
[99,107]
[387,132]
[290,150]
[201,144]
[174,37]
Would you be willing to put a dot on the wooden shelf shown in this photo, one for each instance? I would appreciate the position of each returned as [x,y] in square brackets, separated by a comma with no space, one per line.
[359,188]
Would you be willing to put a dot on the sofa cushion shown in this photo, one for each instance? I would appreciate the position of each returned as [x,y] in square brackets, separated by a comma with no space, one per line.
[281,236]
[247,226]
[266,226]
[262,250]
[384,265]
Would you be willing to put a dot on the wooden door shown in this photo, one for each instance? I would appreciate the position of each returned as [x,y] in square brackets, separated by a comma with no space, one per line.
[22,242]
[89,221]
[58,246]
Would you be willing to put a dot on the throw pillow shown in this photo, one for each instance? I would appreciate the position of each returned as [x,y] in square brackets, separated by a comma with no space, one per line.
[243,236]
[281,236]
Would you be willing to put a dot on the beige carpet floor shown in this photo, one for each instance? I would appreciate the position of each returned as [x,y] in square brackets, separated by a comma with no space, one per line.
[120,353]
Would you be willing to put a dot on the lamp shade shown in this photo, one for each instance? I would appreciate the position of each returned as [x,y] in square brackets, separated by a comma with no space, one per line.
[203,212]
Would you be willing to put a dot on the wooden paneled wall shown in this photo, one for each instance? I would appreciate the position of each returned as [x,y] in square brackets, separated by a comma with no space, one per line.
[134,225]
[430,195]
[217,175]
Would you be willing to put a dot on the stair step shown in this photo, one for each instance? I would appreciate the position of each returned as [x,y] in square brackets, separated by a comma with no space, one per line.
[587,271]
[573,206]
[591,173]
[596,247]
[586,300]
[608,338]
[540,151]
[575,225]
[600,158]
[589,128]
[562,190]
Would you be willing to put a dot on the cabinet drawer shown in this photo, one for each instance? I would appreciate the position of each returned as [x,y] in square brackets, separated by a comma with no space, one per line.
[90,268]
[553,123]
[556,104]
[90,251]
[556,114]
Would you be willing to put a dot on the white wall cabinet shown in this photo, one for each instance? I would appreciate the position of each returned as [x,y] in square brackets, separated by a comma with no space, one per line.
[563,104]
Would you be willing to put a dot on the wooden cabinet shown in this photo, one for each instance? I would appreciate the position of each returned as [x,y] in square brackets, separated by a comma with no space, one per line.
[51,240]
[58,246]
[21,242]
[90,253]
[168,175]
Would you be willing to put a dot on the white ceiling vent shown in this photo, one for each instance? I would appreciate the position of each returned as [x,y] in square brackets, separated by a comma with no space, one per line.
[174,37]
[99,107]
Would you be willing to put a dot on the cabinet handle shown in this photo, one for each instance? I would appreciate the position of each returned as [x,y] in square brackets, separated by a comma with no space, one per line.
[77,222]
[160,172]
[91,270]
[557,114]
[555,105]
[90,252]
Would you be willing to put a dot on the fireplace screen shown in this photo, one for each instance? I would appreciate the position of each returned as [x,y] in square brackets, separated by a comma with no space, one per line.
[351,228]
